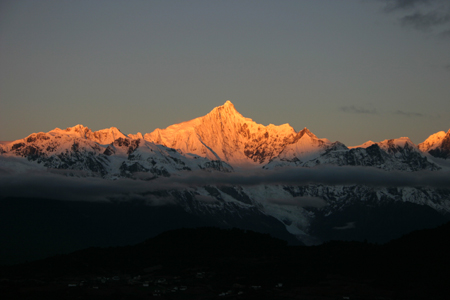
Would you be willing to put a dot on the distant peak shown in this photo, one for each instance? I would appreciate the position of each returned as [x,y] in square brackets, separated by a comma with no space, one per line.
[76,126]
[227,108]
[400,139]
[136,136]
[307,132]
[364,145]
[79,129]
[111,129]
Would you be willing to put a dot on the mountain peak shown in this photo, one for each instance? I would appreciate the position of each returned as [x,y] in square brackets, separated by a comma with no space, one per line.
[437,144]
[306,131]
[78,130]
[137,136]
[103,136]
[224,134]
[228,103]
[432,141]
[227,108]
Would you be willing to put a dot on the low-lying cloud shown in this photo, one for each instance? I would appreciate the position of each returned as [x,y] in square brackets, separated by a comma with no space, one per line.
[40,183]
[325,175]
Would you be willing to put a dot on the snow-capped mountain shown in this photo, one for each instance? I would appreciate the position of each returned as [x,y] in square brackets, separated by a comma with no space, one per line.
[226,135]
[395,154]
[107,153]
[438,145]
[227,144]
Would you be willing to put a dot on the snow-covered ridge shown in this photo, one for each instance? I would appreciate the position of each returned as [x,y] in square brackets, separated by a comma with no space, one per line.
[103,137]
[364,145]
[225,135]
[438,145]
[107,153]
[432,141]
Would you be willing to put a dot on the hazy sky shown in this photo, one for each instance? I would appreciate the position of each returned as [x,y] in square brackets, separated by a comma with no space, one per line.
[349,70]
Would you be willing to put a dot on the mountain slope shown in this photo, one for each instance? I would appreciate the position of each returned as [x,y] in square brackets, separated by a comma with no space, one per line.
[395,154]
[438,145]
[107,153]
[225,134]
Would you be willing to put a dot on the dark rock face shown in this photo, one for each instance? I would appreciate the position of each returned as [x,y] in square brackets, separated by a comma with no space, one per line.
[217,165]
[127,169]
[78,161]
[236,193]
[133,146]
[394,158]
[17,147]
[78,158]
[372,156]
[121,142]
[37,137]
[262,147]
[109,151]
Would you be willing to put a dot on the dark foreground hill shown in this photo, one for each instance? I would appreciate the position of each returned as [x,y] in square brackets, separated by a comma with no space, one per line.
[212,263]
[35,228]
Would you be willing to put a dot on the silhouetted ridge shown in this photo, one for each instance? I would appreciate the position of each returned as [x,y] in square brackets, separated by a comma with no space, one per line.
[412,267]
[211,241]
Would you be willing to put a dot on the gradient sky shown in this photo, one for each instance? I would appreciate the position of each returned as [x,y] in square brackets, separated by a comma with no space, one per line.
[349,70]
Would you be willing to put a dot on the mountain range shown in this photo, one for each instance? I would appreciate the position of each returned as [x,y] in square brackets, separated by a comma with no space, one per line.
[227,169]
[223,136]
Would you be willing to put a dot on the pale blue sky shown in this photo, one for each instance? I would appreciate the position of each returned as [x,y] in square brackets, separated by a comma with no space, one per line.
[349,70]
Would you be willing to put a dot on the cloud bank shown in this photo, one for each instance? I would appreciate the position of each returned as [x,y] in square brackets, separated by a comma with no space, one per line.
[422,14]
[40,183]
